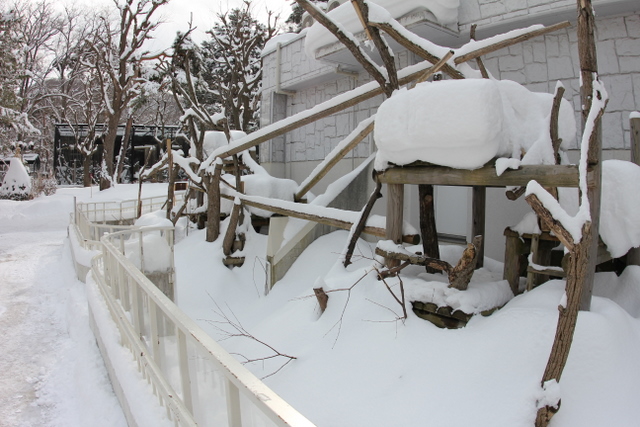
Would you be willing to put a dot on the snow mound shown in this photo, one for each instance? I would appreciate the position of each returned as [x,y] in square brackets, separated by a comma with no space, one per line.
[445,12]
[215,139]
[16,184]
[465,123]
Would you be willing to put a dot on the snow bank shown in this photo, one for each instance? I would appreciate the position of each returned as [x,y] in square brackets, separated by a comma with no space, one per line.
[465,123]
[16,183]
[445,12]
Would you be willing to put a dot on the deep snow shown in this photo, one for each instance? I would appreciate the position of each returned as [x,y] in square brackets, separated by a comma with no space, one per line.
[51,372]
[357,364]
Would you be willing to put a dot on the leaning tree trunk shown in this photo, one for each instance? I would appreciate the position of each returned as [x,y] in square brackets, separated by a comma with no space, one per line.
[581,270]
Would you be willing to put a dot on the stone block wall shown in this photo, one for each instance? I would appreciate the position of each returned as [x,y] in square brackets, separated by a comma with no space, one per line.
[539,63]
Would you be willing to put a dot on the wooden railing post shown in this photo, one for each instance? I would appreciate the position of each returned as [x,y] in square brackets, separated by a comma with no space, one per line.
[395,216]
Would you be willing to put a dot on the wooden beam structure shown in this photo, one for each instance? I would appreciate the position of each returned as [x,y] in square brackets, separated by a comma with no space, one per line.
[545,175]
[326,219]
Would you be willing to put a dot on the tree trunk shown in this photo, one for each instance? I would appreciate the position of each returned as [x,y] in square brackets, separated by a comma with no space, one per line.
[86,168]
[428,231]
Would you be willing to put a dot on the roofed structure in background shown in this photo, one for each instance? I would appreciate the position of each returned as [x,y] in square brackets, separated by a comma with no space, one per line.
[144,148]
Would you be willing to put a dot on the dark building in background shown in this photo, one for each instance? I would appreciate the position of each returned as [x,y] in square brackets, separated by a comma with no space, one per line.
[145,146]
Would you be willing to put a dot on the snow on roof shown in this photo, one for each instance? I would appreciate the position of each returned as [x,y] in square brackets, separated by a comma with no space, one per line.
[466,123]
[279,39]
[445,11]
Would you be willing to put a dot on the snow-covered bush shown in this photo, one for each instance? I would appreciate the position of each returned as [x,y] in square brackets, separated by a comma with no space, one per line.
[16,184]
[43,185]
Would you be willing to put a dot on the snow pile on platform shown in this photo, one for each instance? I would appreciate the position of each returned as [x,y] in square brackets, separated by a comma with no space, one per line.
[16,184]
[445,12]
[465,123]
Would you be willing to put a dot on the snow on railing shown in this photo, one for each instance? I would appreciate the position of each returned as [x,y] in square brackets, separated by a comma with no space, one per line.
[194,378]
[124,210]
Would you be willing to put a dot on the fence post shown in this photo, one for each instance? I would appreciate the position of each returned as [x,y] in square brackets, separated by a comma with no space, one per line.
[233,405]
[185,378]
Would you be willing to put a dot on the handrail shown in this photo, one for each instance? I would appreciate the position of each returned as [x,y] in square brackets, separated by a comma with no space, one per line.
[194,378]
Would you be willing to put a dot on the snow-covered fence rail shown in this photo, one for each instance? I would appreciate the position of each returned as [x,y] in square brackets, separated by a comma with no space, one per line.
[123,210]
[195,379]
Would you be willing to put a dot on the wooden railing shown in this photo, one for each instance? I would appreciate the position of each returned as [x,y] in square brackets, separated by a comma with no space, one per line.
[193,377]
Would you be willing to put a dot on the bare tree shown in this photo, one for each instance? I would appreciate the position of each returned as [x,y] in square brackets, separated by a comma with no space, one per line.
[233,65]
[120,54]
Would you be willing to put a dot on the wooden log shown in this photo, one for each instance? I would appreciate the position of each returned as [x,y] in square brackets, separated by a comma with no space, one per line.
[416,49]
[478,212]
[553,131]
[213,204]
[635,140]
[514,248]
[535,240]
[633,257]
[516,193]
[428,231]
[383,48]
[170,190]
[233,261]
[326,166]
[375,195]
[318,112]
[567,320]
[416,259]
[546,175]
[412,239]
[460,275]
[354,48]
[510,42]
[436,67]
[561,233]
[230,235]
[481,67]
[395,216]
[322,298]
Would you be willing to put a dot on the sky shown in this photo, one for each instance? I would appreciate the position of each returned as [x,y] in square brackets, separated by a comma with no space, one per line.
[177,13]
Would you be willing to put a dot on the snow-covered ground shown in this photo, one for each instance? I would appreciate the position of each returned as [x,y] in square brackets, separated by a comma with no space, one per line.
[51,372]
[355,365]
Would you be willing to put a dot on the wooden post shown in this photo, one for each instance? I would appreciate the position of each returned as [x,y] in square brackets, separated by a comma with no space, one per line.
[589,70]
[230,235]
[395,217]
[479,203]
[170,193]
[213,204]
[633,257]
[635,139]
[428,231]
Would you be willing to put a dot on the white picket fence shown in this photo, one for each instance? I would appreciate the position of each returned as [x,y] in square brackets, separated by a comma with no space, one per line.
[194,378]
